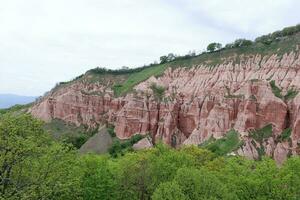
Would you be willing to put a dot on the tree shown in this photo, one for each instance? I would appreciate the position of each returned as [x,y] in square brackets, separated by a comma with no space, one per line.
[163,59]
[168,58]
[289,179]
[201,156]
[168,191]
[171,57]
[242,43]
[32,166]
[214,46]
[98,181]
[201,184]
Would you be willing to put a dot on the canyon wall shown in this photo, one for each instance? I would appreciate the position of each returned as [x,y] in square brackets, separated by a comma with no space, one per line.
[200,102]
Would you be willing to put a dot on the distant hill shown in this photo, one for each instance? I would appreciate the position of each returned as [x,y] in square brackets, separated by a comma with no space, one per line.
[8,100]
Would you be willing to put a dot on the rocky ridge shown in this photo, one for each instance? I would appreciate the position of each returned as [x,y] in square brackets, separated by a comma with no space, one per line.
[199,102]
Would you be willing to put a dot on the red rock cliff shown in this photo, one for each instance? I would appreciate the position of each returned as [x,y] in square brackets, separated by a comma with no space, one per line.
[200,102]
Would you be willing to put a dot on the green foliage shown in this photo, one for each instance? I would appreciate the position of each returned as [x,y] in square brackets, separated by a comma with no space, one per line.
[291,93]
[164,59]
[285,135]
[214,46]
[115,149]
[263,133]
[250,179]
[168,191]
[98,180]
[77,141]
[111,131]
[239,43]
[289,184]
[201,156]
[137,77]
[158,91]
[121,147]
[32,166]
[139,174]
[16,109]
[224,145]
[275,89]
[123,70]
[201,184]
[277,35]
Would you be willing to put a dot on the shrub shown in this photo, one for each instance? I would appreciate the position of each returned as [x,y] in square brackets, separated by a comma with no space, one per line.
[260,134]
[291,93]
[76,140]
[214,46]
[242,43]
[275,89]
[285,135]
[111,131]
[121,147]
[158,91]
[225,145]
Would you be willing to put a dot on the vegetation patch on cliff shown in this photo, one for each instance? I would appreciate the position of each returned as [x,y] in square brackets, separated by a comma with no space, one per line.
[137,77]
[275,89]
[264,133]
[285,135]
[229,143]
[290,94]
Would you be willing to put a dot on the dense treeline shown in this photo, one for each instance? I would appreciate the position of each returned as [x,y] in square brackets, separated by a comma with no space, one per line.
[32,166]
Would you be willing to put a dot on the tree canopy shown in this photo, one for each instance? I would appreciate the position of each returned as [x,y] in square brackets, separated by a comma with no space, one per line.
[213,47]
[33,166]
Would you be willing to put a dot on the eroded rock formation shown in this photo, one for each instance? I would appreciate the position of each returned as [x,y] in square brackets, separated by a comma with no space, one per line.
[199,102]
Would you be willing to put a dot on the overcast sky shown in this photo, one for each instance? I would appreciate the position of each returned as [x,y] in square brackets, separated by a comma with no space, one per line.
[43,42]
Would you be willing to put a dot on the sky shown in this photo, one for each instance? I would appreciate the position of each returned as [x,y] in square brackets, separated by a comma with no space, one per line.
[43,42]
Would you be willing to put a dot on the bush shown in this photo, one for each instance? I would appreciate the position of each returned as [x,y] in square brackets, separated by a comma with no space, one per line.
[285,135]
[260,134]
[121,147]
[242,43]
[76,140]
[291,93]
[158,91]
[265,39]
[225,145]
[275,89]
[111,131]
[214,46]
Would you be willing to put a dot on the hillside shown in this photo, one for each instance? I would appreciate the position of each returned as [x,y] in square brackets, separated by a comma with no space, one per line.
[241,99]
